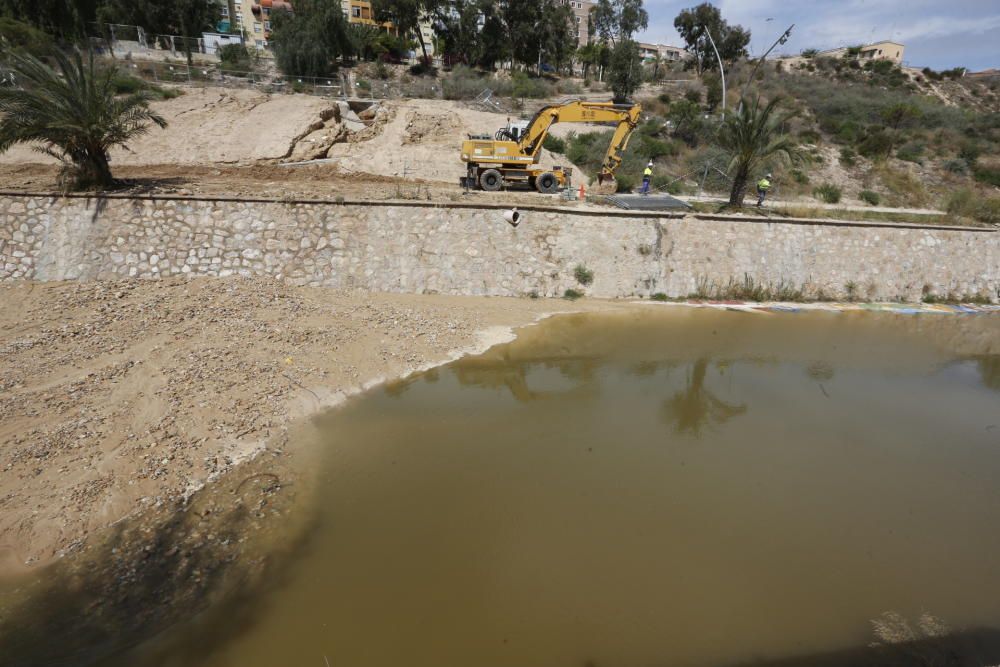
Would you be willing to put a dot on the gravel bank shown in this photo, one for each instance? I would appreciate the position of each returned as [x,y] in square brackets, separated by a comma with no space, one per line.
[122,397]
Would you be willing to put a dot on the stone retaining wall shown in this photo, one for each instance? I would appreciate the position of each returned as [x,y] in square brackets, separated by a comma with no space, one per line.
[471,250]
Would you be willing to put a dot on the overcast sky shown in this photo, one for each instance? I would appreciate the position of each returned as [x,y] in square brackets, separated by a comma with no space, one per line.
[937,33]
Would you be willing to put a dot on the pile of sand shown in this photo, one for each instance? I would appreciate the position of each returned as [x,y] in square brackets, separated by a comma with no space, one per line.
[422,139]
[216,125]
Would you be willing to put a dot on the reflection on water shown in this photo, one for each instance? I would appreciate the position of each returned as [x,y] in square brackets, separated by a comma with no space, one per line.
[989,368]
[668,487]
[696,406]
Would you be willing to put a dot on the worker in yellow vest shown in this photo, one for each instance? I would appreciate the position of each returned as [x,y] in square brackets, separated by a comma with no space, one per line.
[763,185]
[647,174]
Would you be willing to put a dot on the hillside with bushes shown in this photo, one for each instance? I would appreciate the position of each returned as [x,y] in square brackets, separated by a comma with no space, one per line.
[868,134]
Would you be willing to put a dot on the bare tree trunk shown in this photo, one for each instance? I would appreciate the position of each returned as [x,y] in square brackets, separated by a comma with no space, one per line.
[423,47]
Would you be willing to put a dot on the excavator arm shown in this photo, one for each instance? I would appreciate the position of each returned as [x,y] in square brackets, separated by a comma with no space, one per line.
[579,111]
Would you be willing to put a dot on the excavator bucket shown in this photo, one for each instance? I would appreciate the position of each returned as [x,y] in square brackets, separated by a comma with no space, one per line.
[606,185]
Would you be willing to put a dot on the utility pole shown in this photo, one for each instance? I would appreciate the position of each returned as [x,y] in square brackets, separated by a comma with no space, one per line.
[722,72]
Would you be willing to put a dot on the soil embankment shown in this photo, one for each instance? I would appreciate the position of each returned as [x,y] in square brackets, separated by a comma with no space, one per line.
[122,397]
[408,142]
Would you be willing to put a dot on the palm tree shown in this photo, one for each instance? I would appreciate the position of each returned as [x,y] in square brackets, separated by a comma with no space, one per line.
[750,136]
[73,114]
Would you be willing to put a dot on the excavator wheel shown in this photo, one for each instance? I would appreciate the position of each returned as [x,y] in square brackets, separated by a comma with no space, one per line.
[547,183]
[491,180]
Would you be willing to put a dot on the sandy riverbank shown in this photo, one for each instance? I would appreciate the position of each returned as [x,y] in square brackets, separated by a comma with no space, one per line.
[122,397]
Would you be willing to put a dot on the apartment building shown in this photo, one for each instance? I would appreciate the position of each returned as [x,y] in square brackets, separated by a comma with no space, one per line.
[581,15]
[666,52]
[360,11]
[884,50]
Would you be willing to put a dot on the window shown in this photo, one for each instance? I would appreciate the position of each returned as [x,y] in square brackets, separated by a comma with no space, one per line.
[256,27]
[224,12]
[267,11]
[267,25]
[356,12]
[259,43]
[577,19]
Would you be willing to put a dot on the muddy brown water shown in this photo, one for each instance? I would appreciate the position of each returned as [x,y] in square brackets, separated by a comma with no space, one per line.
[661,487]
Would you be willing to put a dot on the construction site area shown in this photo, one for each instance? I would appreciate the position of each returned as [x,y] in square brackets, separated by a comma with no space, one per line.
[401,363]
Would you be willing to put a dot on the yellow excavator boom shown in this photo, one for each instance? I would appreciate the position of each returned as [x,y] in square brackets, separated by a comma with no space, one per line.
[496,162]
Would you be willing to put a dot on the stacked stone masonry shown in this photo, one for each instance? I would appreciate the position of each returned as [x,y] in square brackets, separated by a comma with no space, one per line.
[430,249]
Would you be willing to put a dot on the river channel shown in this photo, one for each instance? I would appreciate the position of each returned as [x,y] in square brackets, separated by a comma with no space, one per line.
[667,486]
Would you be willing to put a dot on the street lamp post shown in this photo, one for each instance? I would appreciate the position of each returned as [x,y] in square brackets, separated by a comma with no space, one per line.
[722,72]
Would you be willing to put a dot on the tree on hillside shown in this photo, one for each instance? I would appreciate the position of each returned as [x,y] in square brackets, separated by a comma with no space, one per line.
[67,20]
[193,17]
[616,21]
[495,46]
[557,35]
[72,114]
[625,72]
[593,55]
[692,25]
[405,15]
[457,24]
[309,41]
[750,136]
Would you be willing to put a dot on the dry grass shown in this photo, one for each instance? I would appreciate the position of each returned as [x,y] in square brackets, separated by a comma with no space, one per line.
[902,188]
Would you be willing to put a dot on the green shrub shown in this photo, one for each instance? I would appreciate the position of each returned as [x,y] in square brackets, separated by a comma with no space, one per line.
[659,296]
[870,197]
[625,182]
[912,151]
[464,83]
[799,176]
[987,175]
[969,151]
[809,53]
[693,95]
[572,294]
[235,57]
[583,275]
[554,144]
[364,84]
[967,204]
[810,136]
[126,84]
[878,144]
[848,157]
[955,166]
[568,87]
[381,71]
[827,192]
[21,36]
[664,97]
[523,85]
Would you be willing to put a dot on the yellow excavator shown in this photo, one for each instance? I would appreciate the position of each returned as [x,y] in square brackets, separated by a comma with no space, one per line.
[511,155]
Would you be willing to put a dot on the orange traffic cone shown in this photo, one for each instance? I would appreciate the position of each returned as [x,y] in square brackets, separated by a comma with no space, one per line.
[583,192]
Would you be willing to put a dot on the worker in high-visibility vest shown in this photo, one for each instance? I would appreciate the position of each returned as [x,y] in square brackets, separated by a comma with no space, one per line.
[763,185]
[647,174]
